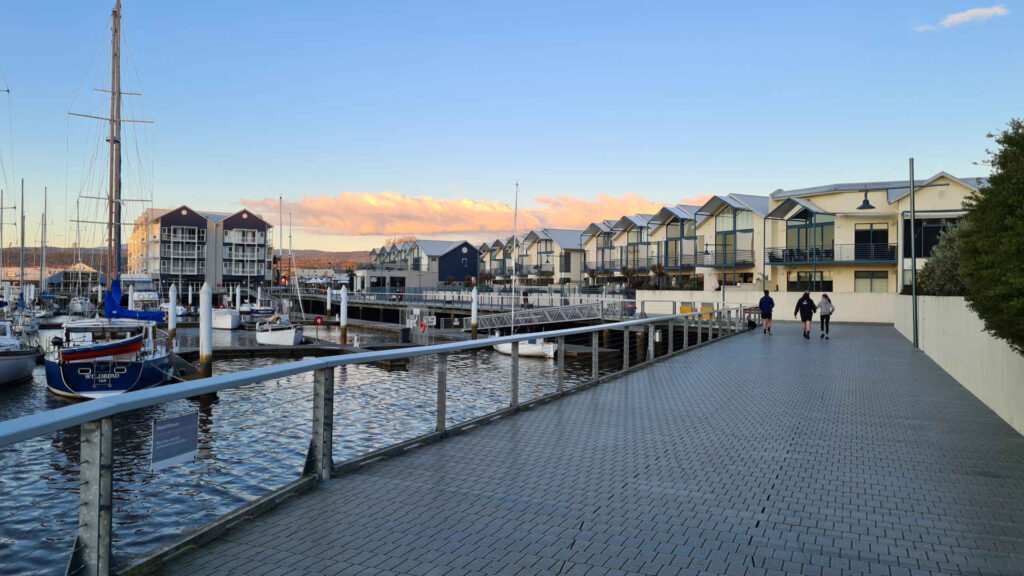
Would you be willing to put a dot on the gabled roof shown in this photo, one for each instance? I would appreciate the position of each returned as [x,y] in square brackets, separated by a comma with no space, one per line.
[627,222]
[151,214]
[756,204]
[566,239]
[896,188]
[679,212]
[534,236]
[785,210]
[601,227]
[438,247]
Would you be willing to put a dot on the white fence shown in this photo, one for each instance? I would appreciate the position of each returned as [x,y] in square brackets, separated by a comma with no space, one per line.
[953,336]
[850,306]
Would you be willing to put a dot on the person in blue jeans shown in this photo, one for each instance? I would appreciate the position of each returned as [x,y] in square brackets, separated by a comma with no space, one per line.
[767,305]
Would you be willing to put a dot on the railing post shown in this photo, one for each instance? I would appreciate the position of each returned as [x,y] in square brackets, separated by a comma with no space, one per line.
[650,342]
[625,348]
[561,364]
[595,369]
[671,335]
[686,332]
[515,376]
[442,392]
[91,554]
[319,459]
[700,327]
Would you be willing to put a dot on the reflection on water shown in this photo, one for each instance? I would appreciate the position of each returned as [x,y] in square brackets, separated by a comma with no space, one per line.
[251,441]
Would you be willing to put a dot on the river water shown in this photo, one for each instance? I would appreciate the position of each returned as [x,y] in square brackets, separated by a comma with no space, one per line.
[251,440]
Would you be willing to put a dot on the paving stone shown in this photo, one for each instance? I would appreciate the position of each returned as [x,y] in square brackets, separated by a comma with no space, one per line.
[753,455]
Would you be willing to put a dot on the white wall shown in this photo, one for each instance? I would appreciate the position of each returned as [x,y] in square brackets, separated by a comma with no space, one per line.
[850,306]
[953,336]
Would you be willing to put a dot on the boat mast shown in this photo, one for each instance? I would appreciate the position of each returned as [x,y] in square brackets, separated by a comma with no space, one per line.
[515,254]
[21,280]
[42,255]
[114,199]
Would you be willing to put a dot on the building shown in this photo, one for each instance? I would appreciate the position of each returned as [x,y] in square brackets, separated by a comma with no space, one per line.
[855,237]
[730,239]
[420,264]
[599,254]
[674,230]
[188,247]
[553,256]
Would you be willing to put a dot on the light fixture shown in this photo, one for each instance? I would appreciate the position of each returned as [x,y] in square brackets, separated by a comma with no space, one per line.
[547,259]
[865,205]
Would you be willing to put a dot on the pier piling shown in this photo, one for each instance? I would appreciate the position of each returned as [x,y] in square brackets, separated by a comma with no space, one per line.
[327,309]
[172,314]
[131,298]
[473,311]
[343,316]
[205,331]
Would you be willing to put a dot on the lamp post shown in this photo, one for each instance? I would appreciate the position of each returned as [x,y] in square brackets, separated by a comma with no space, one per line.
[913,252]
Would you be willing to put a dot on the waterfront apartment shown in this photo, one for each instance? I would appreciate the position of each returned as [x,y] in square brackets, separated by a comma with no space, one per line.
[601,263]
[855,237]
[673,232]
[420,264]
[553,256]
[188,247]
[731,239]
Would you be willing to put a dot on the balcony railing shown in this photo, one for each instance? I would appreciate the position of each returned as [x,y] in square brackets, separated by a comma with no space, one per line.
[725,258]
[865,252]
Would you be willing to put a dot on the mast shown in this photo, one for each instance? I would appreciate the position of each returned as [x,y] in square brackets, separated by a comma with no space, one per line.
[280,233]
[21,280]
[114,200]
[42,247]
[515,254]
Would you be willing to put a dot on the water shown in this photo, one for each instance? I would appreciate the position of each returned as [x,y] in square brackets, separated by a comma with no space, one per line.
[251,440]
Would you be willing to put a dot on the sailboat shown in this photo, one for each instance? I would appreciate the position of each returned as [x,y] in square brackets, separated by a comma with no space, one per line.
[277,330]
[534,347]
[121,352]
[18,348]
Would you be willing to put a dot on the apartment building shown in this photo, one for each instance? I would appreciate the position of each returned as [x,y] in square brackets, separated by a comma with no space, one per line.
[731,239]
[674,231]
[553,256]
[188,247]
[855,237]
[420,264]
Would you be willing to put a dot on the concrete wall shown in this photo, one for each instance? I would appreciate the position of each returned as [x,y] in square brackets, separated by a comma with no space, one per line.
[952,335]
[850,306]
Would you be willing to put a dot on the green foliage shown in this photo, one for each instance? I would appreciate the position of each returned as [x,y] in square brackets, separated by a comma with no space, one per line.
[941,274]
[992,242]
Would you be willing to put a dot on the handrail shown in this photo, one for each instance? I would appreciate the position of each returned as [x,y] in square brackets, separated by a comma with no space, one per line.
[27,427]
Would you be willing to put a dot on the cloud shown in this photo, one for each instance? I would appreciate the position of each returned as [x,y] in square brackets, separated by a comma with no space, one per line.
[389,213]
[965,17]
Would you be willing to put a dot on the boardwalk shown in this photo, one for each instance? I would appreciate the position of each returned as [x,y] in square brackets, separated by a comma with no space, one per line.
[753,456]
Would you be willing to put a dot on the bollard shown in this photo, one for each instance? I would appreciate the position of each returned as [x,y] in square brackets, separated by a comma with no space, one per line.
[442,393]
[473,312]
[238,297]
[343,316]
[190,297]
[515,377]
[205,331]
[327,309]
[259,296]
[561,363]
[172,314]
[131,297]
[595,369]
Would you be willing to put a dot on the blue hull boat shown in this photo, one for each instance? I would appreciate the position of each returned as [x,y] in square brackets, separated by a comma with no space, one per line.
[108,376]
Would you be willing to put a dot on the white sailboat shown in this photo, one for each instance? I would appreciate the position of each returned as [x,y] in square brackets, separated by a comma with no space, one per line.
[534,347]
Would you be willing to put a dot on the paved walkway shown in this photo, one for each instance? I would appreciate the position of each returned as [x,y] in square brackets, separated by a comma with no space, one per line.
[755,455]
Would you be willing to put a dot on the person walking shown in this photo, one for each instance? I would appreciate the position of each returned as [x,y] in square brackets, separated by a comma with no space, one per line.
[826,309]
[805,309]
[766,304]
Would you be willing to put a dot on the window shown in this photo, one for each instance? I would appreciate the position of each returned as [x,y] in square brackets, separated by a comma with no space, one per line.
[928,231]
[565,262]
[809,281]
[724,220]
[873,281]
[673,229]
[744,220]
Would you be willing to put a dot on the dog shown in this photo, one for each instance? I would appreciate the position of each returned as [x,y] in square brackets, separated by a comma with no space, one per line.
[751,325]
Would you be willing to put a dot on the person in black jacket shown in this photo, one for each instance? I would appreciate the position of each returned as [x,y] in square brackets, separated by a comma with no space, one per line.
[805,308]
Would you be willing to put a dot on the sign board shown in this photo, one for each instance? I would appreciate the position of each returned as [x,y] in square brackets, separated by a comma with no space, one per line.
[431,320]
[455,321]
[410,324]
[416,312]
[175,440]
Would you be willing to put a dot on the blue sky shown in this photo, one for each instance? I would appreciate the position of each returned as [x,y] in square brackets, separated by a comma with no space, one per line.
[457,99]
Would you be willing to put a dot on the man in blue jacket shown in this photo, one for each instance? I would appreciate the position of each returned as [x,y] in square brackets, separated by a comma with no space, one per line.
[767,305]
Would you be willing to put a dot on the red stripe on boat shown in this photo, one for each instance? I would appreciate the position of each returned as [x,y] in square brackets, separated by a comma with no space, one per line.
[128,347]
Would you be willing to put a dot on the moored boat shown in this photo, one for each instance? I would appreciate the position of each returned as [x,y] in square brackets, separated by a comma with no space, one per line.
[16,360]
[534,348]
[275,331]
[225,319]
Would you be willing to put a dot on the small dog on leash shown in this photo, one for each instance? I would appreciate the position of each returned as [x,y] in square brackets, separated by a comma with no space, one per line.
[751,325]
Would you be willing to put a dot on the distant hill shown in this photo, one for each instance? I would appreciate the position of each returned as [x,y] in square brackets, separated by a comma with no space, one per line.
[327,259]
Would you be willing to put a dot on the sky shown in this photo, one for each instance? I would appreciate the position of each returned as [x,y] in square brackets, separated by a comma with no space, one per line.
[376,119]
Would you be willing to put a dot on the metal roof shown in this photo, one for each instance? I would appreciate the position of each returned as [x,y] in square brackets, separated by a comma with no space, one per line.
[784,210]
[896,188]
[438,247]
[596,228]
[627,222]
[756,204]
[566,239]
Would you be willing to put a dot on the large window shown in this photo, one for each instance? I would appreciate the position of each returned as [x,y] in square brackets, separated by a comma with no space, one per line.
[809,281]
[565,262]
[928,232]
[871,281]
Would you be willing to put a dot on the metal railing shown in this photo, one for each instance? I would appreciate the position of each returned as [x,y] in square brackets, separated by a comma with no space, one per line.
[864,252]
[725,258]
[613,349]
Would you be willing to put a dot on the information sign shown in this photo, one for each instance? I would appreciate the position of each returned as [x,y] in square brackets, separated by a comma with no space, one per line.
[175,441]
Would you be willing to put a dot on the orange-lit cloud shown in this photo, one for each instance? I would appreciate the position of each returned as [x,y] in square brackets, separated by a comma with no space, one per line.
[389,213]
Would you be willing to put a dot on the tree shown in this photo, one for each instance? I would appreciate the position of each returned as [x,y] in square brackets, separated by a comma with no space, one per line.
[592,273]
[941,274]
[628,274]
[659,272]
[992,242]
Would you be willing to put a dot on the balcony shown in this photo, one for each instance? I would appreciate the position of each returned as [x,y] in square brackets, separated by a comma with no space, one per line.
[725,259]
[837,253]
